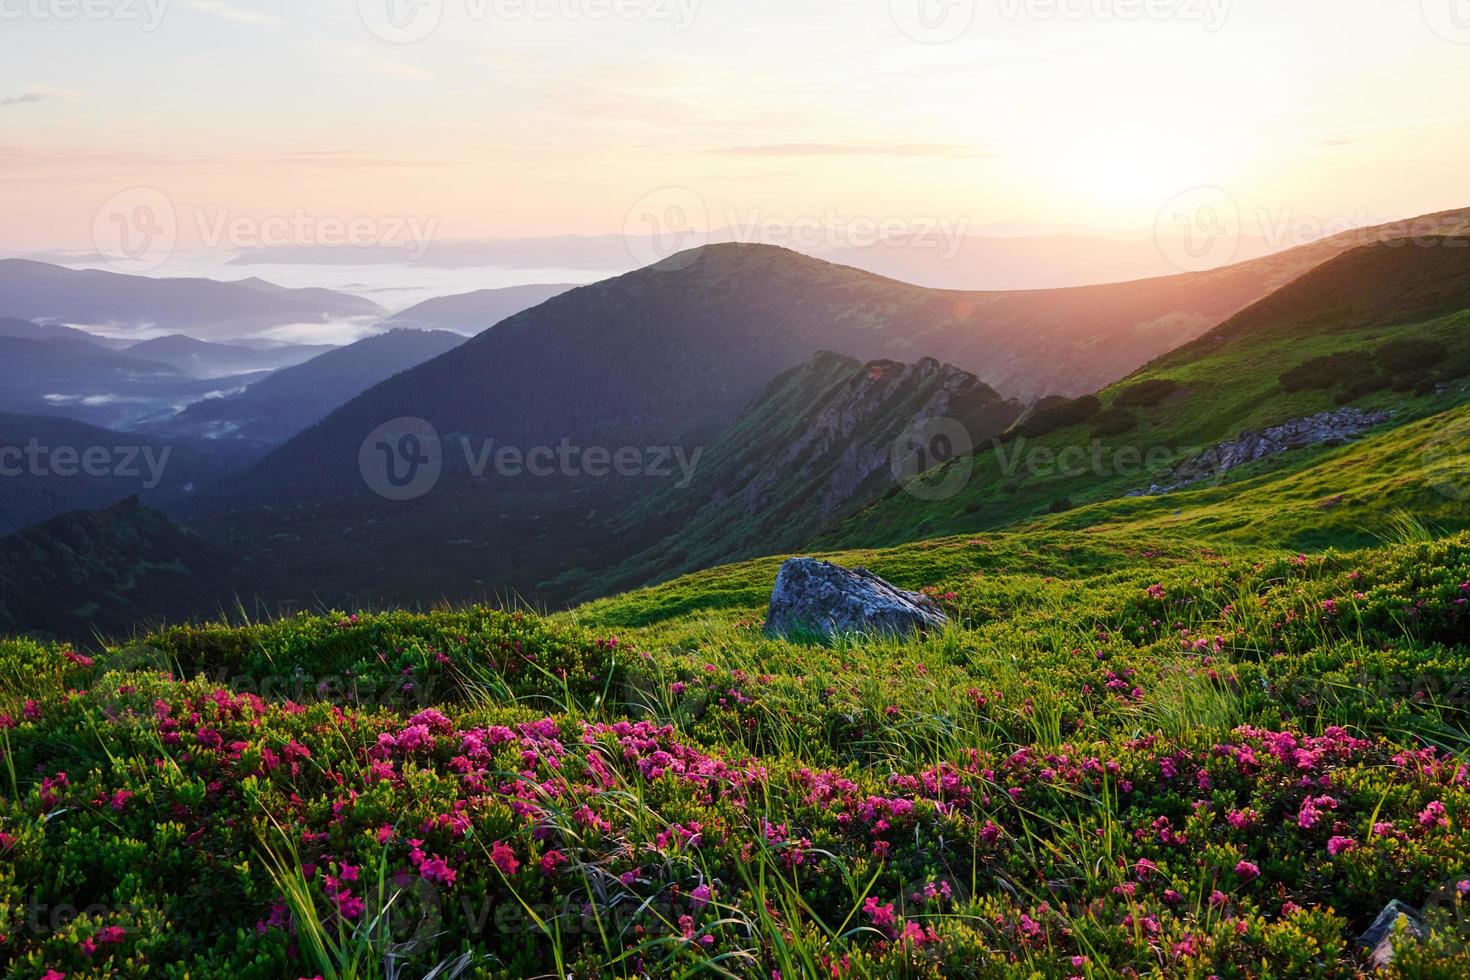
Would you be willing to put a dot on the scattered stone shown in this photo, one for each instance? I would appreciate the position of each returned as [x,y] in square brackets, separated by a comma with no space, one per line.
[1378,940]
[818,598]
[1328,428]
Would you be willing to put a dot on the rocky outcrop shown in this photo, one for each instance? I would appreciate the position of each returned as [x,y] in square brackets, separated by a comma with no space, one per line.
[1325,429]
[1377,942]
[850,437]
[818,598]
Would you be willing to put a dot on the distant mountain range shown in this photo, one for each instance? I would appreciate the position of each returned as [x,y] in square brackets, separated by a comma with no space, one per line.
[990,259]
[26,330]
[95,384]
[276,408]
[681,347]
[202,308]
[471,313]
[202,359]
[994,257]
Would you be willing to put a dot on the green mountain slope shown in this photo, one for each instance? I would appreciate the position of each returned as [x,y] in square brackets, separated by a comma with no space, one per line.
[1252,750]
[1283,359]
[109,572]
[817,444]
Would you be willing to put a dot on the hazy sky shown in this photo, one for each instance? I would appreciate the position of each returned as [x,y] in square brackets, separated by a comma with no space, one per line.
[513,117]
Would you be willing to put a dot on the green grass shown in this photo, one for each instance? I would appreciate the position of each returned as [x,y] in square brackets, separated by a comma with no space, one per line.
[1223,391]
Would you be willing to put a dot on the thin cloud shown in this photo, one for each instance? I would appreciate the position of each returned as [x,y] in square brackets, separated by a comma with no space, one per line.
[940,150]
[36,93]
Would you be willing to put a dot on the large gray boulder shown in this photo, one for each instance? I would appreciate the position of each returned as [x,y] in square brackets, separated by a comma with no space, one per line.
[1378,940]
[818,598]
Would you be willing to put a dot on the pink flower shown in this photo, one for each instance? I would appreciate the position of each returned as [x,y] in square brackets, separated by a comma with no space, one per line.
[53,975]
[880,915]
[1247,871]
[436,871]
[1433,816]
[700,897]
[1341,845]
[550,860]
[1156,591]
[1242,819]
[504,858]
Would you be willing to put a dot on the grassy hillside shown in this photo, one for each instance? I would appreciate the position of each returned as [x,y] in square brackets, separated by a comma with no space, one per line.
[816,444]
[1282,359]
[1132,752]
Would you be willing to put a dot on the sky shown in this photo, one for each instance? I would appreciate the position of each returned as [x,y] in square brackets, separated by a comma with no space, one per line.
[372,121]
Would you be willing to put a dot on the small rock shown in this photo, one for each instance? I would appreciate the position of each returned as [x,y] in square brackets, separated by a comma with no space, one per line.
[1378,940]
[818,598]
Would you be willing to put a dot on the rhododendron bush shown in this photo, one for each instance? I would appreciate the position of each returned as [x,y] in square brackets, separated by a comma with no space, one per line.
[1189,765]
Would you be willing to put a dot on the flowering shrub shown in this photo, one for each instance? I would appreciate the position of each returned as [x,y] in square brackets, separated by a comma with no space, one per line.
[1078,789]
